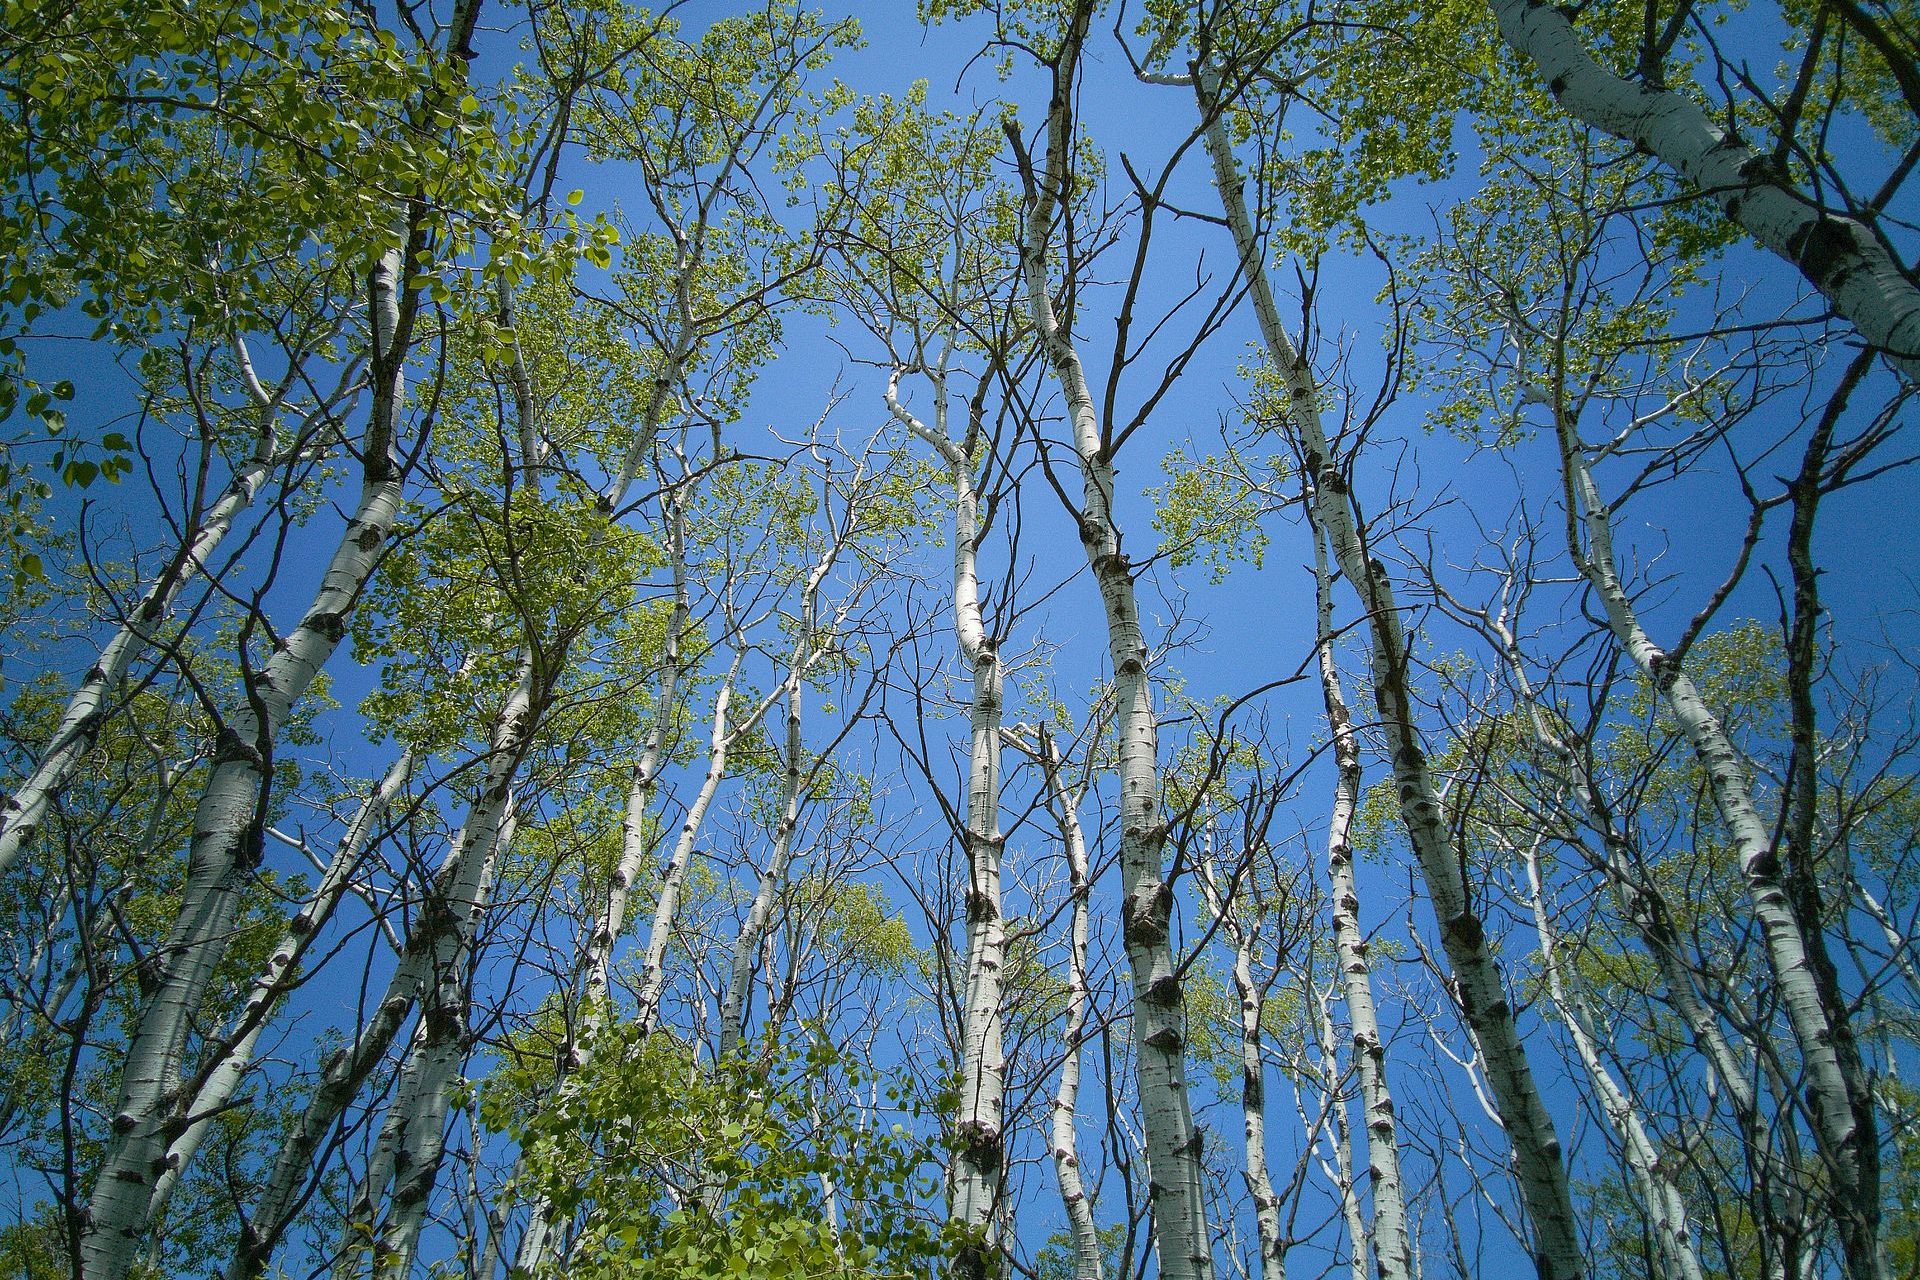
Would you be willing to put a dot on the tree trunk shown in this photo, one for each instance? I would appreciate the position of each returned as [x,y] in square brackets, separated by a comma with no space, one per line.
[1064,1140]
[227,834]
[216,1091]
[1392,1247]
[1838,255]
[980,1147]
[1842,1139]
[1176,1187]
[1668,1210]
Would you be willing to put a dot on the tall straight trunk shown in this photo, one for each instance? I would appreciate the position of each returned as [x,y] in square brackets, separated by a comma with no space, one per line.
[1838,255]
[1340,1133]
[1176,1186]
[595,1007]
[978,1172]
[1063,1137]
[746,946]
[1392,1246]
[408,1141]
[1666,1208]
[1539,1163]
[217,1089]
[1848,1148]
[227,825]
[596,957]
[1253,1077]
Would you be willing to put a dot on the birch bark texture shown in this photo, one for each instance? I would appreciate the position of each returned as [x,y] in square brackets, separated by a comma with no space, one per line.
[1841,1138]
[980,1145]
[1176,1188]
[1390,1239]
[1839,255]
[1064,801]
[228,834]
[1539,1162]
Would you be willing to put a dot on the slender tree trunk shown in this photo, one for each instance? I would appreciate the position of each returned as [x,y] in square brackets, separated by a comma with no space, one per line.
[1063,1137]
[443,932]
[423,1110]
[980,1147]
[1176,1188]
[1673,1235]
[87,710]
[1838,255]
[1842,1140]
[1538,1160]
[746,947]
[596,957]
[216,1091]
[1860,1219]
[1392,1247]
[1253,1105]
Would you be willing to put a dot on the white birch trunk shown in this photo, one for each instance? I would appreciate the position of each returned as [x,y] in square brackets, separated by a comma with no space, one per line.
[444,929]
[1392,1247]
[1838,255]
[424,1109]
[227,836]
[1829,1099]
[980,1146]
[746,947]
[1667,1209]
[1176,1189]
[216,1091]
[1063,1136]
[88,708]
[1538,1161]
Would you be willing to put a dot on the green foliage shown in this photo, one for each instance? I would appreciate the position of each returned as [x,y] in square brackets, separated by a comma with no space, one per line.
[1209,510]
[677,1168]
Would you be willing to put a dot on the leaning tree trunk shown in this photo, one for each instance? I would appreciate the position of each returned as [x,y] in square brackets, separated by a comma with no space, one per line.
[1537,1157]
[1667,1209]
[227,826]
[1645,908]
[1176,1185]
[442,932]
[1848,1147]
[217,1089]
[423,1109]
[1838,255]
[1392,1247]
[979,1159]
[87,710]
